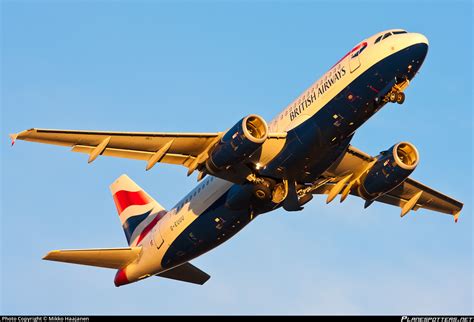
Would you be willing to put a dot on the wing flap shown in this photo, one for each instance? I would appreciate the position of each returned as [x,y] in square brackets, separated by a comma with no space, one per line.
[356,162]
[186,273]
[185,143]
[170,158]
[429,199]
[100,257]
[153,147]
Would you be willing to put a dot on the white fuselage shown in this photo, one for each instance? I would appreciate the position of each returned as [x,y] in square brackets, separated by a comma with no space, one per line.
[314,98]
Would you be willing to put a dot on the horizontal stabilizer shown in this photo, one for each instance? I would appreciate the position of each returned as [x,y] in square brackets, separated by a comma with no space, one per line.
[186,273]
[101,257]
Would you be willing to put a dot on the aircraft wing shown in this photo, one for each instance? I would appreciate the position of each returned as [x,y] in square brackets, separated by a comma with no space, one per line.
[410,195]
[187,149]
[153,147]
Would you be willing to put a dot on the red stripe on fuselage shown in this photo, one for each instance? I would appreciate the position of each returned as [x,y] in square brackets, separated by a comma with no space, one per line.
[150,226]
[352,50]
[124,199]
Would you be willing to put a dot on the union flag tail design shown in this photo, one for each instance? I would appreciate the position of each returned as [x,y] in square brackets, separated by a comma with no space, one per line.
[138,212]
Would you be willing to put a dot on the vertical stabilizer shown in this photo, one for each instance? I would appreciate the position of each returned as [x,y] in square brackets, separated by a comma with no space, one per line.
[138,212]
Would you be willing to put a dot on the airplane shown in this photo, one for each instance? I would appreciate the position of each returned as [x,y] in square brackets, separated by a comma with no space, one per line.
[254,167]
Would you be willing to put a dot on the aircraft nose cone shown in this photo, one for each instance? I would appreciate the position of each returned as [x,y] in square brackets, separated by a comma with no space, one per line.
[420,46]
[416,54]
[420,52]
[419,38]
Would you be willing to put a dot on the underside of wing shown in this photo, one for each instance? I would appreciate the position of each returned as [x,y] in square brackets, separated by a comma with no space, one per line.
[153,147]
[348,174]
[190,150]
[429,199]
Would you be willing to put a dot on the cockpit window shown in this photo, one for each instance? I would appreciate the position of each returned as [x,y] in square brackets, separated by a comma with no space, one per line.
[382,37]
[388,34]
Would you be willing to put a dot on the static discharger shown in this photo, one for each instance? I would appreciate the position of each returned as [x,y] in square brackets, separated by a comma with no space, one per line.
[98,149]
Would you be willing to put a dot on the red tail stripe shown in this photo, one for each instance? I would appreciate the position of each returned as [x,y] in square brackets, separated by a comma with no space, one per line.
[124,199]
[150,226]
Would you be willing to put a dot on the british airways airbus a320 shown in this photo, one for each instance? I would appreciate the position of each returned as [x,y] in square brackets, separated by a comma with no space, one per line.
[256,167]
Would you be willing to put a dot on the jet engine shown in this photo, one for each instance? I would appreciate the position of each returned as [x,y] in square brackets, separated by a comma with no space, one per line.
[238,143]
[391,169]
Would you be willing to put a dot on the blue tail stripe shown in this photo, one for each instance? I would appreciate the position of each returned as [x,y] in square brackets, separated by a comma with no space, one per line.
[131,224]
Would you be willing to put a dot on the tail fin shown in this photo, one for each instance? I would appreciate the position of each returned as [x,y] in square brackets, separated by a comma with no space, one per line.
[138,212]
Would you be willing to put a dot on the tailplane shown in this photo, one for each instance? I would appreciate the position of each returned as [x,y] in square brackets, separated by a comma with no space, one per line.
[138,212]
[186,272]
[100,257]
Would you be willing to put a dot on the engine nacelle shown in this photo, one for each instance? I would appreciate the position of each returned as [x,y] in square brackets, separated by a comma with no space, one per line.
[391,169]
[243,139]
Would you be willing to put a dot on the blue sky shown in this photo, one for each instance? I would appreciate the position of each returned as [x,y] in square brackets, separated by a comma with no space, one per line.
[200,66]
